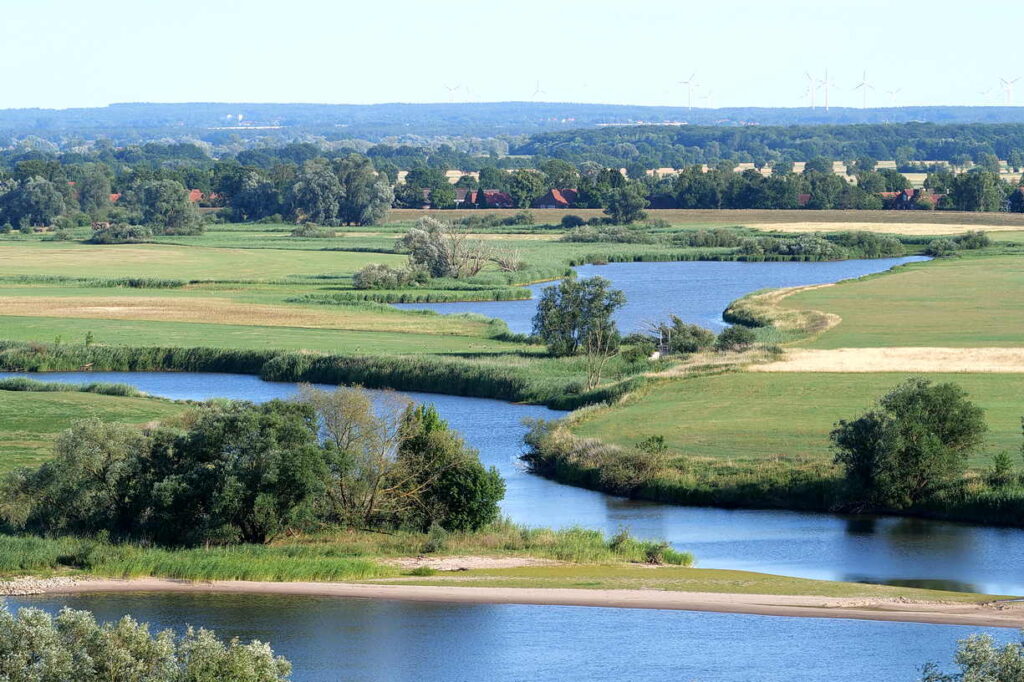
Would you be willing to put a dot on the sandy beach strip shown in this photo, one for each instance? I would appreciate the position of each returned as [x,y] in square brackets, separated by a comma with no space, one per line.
[996,614]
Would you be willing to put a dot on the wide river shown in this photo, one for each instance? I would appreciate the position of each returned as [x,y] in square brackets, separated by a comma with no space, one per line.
[697,291]
[334,639]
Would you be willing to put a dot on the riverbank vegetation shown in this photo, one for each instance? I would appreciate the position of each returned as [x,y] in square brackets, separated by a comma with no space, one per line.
[751,440]
[71,645]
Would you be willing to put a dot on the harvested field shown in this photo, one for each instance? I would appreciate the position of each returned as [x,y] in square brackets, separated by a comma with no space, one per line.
[227,311]
[906,359]
[915,229]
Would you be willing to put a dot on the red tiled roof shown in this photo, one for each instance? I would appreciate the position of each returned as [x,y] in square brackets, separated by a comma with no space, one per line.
[114,198]
[195,195]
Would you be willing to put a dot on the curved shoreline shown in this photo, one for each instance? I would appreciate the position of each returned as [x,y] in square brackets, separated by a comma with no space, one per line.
[991,614]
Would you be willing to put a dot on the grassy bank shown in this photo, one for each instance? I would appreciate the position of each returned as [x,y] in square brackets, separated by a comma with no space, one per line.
[529,377]
[761,441]
[754,417]
[328,556]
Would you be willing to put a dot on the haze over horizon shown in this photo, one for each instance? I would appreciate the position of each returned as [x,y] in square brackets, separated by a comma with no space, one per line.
[570,51]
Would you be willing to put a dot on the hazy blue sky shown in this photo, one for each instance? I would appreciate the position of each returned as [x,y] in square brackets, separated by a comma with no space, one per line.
[60,53]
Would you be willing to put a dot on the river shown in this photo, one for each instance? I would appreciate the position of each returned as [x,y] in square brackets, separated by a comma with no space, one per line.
[338,639]
[365,640]
[697,291]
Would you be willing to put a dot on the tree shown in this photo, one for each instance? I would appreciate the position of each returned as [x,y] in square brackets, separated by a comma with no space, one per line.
[164,203]
[241,472]
[626,205]
[981,660]
[818,164]
[442,197]
[678,336]
[572,312]
[34,201]
[254,197]
[916,440]
[316,194]
[366,196]
[493,178]
[524,186]
[559,174]
[442,249]
[736,337]
[441,480]
[978,191]
[38,647]
[94,190]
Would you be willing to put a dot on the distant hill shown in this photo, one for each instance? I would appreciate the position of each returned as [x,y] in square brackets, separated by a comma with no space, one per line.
[217,122]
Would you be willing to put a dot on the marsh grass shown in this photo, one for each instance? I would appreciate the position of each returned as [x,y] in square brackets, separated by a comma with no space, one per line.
[331,555]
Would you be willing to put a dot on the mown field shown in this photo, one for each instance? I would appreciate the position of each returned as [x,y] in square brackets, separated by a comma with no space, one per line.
[31,420]
[964,302]
[748,416]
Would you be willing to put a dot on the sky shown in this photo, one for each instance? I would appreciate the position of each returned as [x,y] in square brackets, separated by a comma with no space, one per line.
[75,53]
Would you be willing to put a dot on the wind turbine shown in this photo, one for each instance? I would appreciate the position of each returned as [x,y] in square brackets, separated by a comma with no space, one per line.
[892,96]
[690,84]
[826,83]
[1007,86]
[709,99]
[864,86]
[451,91]
[537,91]
[812,88]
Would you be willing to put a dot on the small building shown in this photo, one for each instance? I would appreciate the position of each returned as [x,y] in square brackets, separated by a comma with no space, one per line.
[556,198]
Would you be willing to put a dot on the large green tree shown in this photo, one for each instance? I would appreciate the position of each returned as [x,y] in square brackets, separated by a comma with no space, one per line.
[917,439]
[316,195]
[626,205]
[576,313]
[165,204]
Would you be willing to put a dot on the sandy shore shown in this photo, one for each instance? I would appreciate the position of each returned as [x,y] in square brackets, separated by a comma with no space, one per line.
[1001,614]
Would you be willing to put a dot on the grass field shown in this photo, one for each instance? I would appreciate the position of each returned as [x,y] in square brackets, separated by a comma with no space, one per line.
[965,302]
[248,336]
[31,420]
[177,262]
[753,416]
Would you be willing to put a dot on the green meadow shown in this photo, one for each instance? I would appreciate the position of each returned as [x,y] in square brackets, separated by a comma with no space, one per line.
[31,419]
[753,416]
[969,302]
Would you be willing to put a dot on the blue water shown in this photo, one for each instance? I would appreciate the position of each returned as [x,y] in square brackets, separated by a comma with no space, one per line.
[346,639]
[697,291]
[826,546]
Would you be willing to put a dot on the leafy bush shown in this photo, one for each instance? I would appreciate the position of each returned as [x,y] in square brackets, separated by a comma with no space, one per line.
[73,646]
[570,221]
[313,231]
[120,233]
[941,248]
[619,234]
[377,276]
[735,338]
[972,240]
[678,336]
